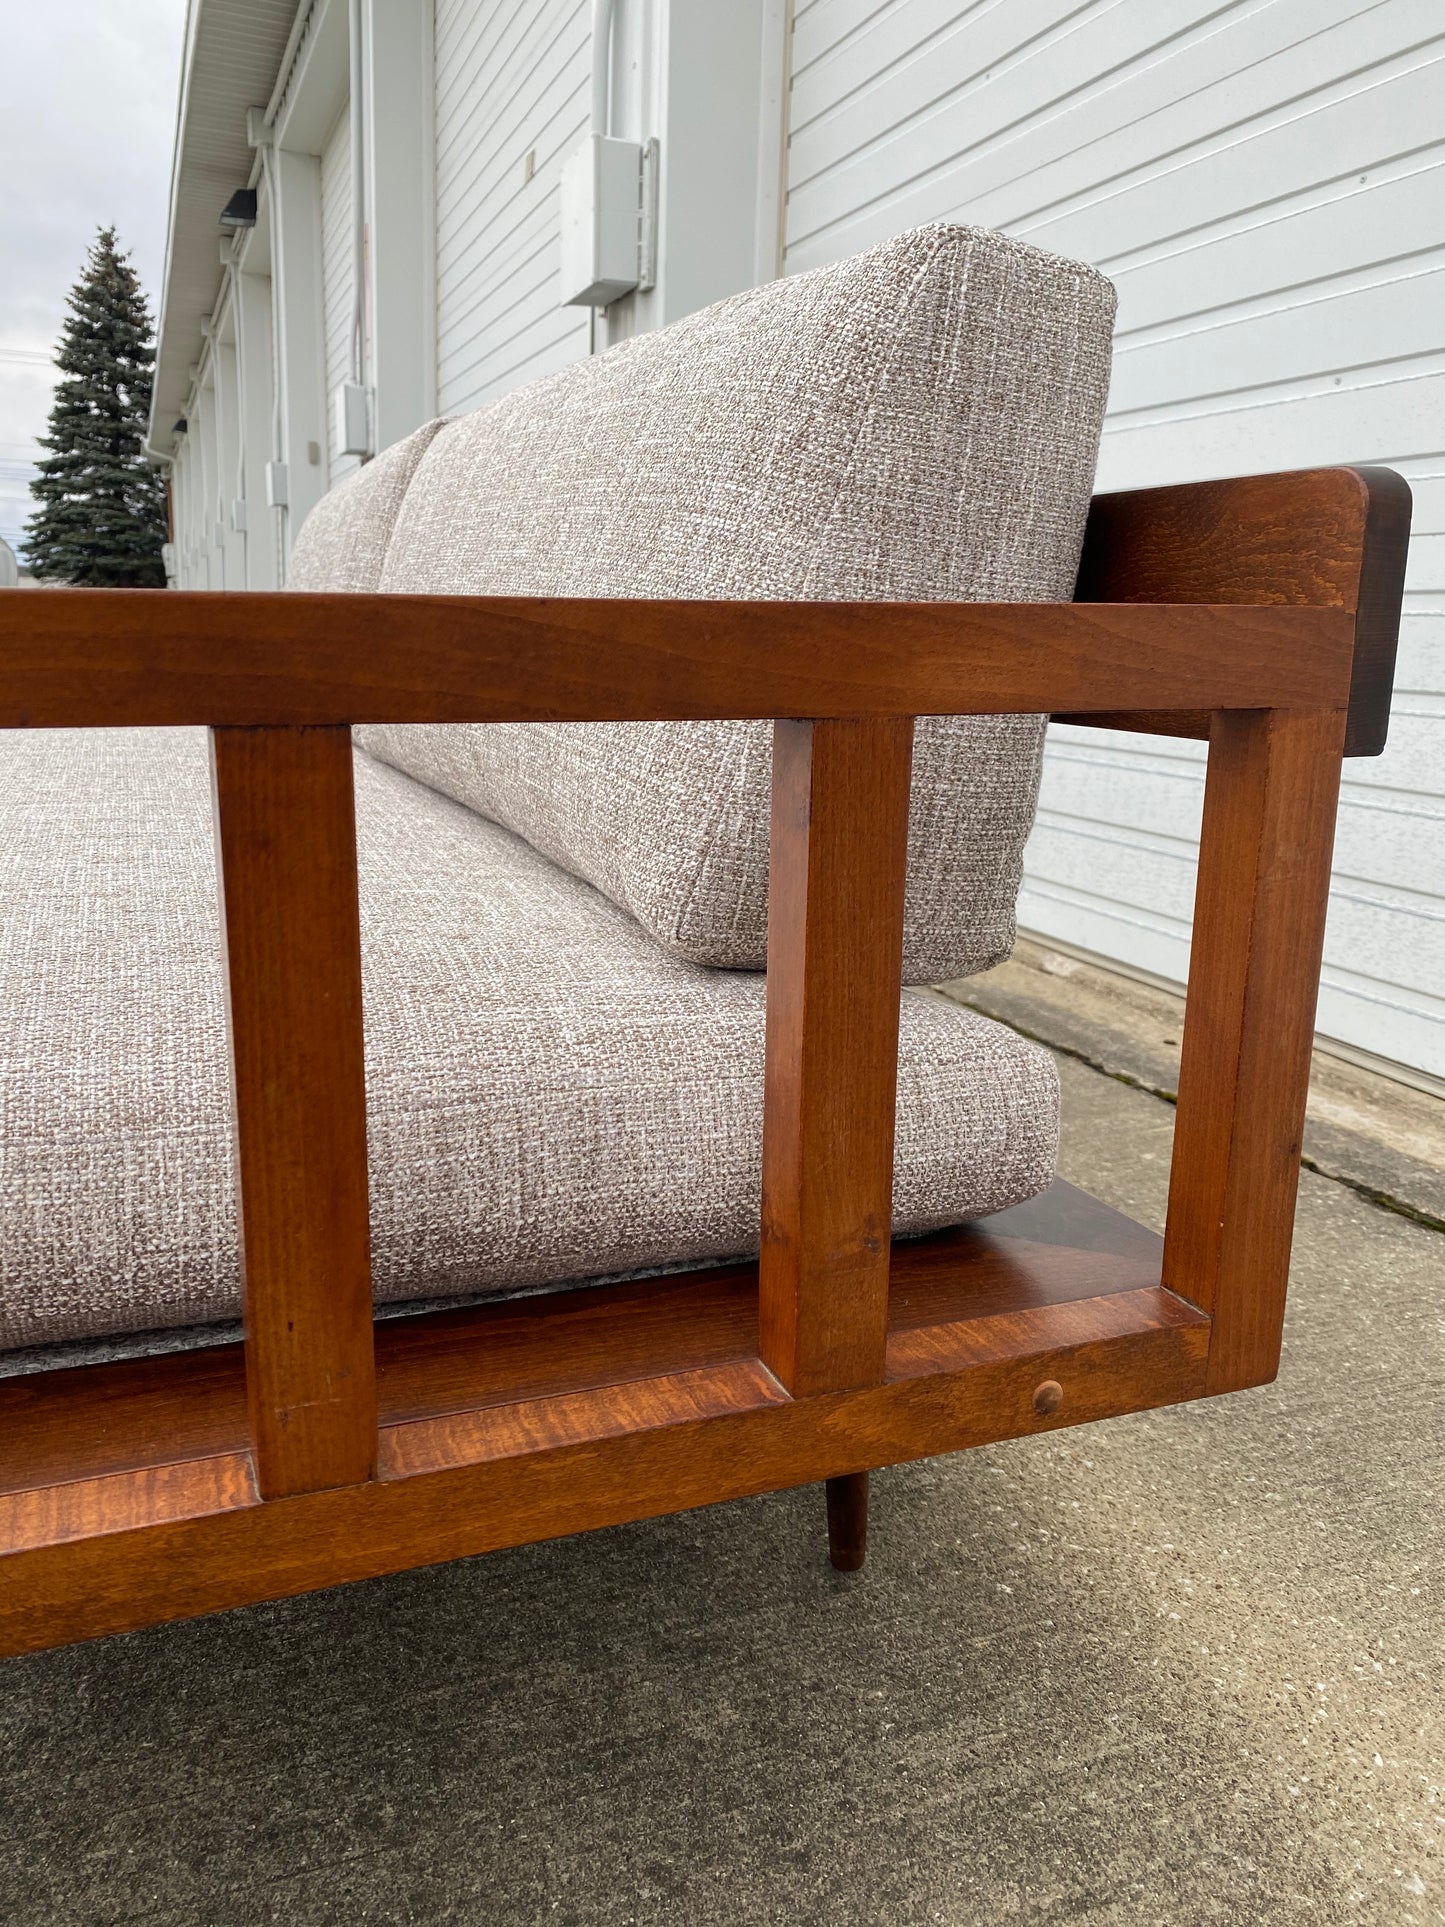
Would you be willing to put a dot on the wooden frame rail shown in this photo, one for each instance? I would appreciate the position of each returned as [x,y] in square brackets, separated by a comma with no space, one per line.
[328,1449]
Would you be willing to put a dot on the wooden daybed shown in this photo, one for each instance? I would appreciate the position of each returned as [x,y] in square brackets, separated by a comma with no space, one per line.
[1260,613]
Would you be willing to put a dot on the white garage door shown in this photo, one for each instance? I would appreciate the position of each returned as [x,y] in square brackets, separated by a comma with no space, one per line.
[511,103]
[1265,182]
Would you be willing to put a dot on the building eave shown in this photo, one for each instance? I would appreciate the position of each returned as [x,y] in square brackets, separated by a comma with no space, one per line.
[234,50]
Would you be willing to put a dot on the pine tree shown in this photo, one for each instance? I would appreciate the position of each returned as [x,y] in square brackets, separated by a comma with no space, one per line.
[101,517]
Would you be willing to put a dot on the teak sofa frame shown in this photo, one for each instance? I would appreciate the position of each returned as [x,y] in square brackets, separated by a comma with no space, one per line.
[1259,612]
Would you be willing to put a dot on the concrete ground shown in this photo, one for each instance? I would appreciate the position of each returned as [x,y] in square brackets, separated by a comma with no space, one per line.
[1181,1668]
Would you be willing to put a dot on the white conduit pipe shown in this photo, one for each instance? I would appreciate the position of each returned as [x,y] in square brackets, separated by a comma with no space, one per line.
[358,197]
[268,172]
[602,11]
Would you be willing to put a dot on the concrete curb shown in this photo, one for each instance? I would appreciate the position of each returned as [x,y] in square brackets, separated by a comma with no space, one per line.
[1383,1139]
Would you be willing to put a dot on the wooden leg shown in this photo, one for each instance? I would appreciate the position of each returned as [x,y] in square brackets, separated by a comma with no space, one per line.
[848,1521]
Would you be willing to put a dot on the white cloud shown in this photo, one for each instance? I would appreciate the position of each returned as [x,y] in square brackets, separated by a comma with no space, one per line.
[87,124]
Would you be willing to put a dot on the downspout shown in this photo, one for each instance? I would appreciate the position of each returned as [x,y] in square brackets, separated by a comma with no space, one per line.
[602,11]
[359,370]
[268,175]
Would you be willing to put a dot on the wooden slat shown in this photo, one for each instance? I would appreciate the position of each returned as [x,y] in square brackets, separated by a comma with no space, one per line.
[90,1421]
[1264,873]
[140,1573]
[113,656]
[286,836]
[835,951]
[1324,538]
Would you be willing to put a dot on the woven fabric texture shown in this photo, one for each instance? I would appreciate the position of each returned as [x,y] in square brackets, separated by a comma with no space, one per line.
[920,422]
[551,1096]
[342,543]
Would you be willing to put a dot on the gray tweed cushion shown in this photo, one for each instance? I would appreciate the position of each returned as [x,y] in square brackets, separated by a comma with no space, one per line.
[551,1095]
[919,423]
[342,543]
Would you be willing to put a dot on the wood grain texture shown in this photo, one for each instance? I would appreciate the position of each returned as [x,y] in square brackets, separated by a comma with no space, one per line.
[839,858]
[90,1421]
[1324,538]
[56,1515]
[113,656]
[510,1430]
[140,1571]
[286,839]
[1259,921]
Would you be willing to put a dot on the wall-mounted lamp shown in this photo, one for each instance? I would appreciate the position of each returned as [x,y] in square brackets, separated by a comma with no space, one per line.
[240,210]
[179,425]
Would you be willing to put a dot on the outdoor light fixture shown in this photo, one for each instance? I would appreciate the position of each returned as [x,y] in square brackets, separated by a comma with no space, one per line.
[179,425]
[240,210]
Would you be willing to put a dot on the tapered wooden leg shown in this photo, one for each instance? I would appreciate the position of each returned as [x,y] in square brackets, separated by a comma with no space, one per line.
[848,1521]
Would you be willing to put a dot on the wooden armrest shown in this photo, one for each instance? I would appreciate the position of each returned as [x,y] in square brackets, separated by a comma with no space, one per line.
[93,657]
[1315,538]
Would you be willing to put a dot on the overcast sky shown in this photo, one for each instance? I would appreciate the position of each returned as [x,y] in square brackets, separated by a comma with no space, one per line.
[88,94]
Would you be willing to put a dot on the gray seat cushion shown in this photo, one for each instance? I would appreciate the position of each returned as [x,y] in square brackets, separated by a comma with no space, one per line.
[551,1096]
[341,545]
[918,423]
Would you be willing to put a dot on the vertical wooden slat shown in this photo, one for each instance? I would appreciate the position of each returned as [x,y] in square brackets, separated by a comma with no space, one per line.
[835,939]
[1259,921]
[286,834]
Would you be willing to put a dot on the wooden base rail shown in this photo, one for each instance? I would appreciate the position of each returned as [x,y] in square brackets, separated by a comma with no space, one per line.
[503,1424]
[327,1449]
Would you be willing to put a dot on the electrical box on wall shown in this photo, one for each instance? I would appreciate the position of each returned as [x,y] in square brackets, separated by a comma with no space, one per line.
[350,424]
[601,221]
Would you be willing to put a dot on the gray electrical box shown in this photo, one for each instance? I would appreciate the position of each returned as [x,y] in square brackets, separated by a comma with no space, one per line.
[601,221]
[350,419]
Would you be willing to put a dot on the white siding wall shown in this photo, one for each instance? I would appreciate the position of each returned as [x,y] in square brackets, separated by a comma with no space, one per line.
[1265,182]
[338,280]
[511,81]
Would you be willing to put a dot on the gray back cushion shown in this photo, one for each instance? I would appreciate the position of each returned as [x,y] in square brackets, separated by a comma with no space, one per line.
[919,423]
[342,543]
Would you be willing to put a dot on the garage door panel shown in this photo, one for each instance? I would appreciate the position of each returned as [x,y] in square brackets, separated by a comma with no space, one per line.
[1354,126]
[1277,312]
[1318,332]
[511,79]
[1368,419]
[993,161]
[1349,227]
